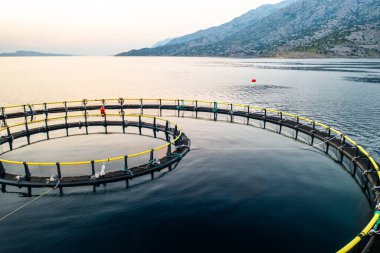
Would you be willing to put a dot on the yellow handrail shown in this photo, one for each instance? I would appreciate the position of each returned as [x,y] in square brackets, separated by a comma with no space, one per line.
[358,238]
[99,160]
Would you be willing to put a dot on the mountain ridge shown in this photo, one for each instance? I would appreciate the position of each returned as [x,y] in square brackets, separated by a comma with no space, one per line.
[324,28]
[235,24]
[29,54]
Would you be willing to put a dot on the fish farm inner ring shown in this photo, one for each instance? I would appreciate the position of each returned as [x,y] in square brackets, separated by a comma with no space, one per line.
[353,157]
[171,130]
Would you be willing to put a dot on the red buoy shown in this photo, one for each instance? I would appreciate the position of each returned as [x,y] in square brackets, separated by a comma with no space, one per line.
[102,110]
[253,80]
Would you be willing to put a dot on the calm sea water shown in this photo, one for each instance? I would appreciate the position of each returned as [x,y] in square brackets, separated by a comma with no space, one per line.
[255,195]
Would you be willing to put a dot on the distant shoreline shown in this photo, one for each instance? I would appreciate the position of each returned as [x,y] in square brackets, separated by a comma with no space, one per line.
[249,57]
[30,54]
[202,56]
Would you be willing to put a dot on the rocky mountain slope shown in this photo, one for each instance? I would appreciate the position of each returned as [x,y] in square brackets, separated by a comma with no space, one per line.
[215,34]
[294,28]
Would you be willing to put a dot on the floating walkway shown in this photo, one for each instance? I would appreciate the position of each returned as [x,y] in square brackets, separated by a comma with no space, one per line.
[170,130]
[353,157]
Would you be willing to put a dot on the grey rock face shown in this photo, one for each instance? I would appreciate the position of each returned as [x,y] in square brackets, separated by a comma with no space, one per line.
[327,28]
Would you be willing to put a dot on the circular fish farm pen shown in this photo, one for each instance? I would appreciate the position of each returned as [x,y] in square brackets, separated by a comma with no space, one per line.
[21,124]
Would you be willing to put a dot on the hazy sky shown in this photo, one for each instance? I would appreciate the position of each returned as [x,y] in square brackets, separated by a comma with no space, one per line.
[105,27]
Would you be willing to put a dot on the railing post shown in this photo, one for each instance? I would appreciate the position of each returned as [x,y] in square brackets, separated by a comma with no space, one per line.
[169,150]
[65,105]
[123,120]
[121,103]
[92,168]
[2,169]
[231,113]
[215,111]
[178,108]
[139,124]
[27,132]
[85,121]
[167,130]
[141,106]
[105,123]
[280,123]
[59,170]
[3,116]
[176,135]
[296,127]
[151,155]
[47,129]
[10,138]
[27,172]
[160,113]
[25,113]
[126,169]
[85,114]
[67,126]
[154,127]
[247,114]
[151,159]
[196,109]
[265,117]
[46,111]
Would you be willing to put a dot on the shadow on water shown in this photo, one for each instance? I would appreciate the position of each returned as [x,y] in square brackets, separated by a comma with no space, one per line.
[321,68]
[350,67]
[368,79]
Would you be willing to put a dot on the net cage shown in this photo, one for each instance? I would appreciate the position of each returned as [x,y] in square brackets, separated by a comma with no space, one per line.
[24,124]
[76,118]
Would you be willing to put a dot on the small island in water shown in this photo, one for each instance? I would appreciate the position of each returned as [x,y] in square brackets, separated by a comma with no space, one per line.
[30,53]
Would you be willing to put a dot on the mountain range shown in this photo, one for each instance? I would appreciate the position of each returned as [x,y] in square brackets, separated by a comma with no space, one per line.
[292,28]
[29,53]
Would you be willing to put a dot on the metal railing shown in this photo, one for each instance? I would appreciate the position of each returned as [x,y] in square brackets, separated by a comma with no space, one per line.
[168,123]
[215,107]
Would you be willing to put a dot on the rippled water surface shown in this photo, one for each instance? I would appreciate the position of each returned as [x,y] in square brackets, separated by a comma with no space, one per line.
[240,189]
